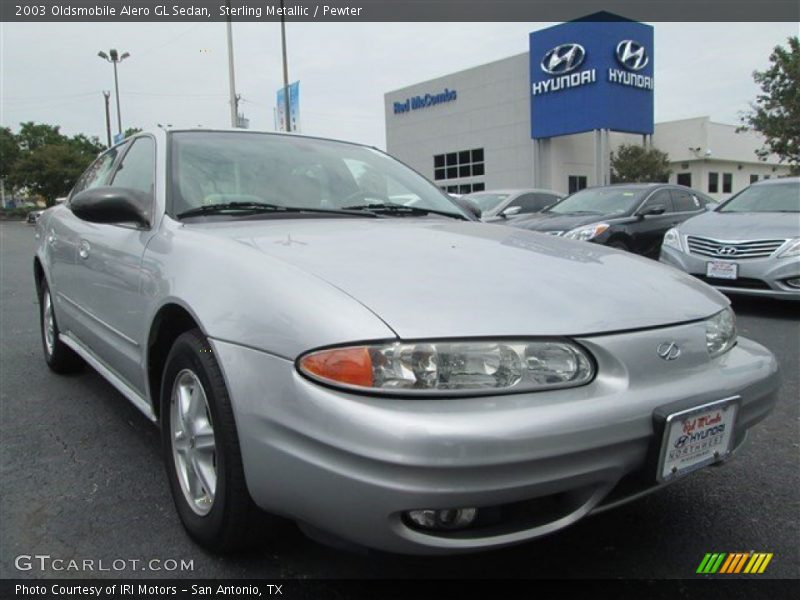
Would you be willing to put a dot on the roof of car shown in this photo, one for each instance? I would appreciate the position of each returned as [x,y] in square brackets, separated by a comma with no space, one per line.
[778,181]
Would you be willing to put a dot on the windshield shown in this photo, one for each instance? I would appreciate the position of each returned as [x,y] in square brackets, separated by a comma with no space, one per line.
[487,202]
[774,197]
[239,169]
[600,201]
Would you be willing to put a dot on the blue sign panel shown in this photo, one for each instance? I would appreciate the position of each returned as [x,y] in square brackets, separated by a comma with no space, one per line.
[589,75]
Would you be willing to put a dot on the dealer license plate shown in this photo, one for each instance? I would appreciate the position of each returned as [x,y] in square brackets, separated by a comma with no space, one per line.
[697,437]
[720,269]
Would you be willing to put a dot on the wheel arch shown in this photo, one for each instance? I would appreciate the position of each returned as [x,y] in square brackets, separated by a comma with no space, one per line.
[170,321]
[38,275]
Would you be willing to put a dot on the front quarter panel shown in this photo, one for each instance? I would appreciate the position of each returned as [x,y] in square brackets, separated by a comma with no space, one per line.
[239,295]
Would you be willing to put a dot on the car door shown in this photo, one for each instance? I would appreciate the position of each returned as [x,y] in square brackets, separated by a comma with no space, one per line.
[62,237]
[647,232]
[109,275]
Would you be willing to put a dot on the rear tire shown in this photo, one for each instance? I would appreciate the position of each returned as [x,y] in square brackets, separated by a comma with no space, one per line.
[58,356]
[201,451]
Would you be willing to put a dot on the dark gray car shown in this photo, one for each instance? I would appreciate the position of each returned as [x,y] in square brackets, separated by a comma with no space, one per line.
[497,205]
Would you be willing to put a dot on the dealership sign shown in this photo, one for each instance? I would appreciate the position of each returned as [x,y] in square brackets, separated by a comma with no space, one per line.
[418,102]
[589,75]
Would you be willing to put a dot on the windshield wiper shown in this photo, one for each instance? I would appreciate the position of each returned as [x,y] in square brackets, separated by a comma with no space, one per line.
[400,209]
[258,207]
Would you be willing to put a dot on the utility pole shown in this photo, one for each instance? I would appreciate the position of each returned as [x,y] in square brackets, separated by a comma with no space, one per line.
[107,98]
[286,102]
[231,76]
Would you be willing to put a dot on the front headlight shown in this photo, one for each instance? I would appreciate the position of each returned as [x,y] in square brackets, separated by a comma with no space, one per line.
[453,368]
[672,239]
[721,332]
[792,249]
[587,232]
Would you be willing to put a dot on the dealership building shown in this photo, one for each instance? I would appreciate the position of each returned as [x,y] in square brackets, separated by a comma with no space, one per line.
[550,118]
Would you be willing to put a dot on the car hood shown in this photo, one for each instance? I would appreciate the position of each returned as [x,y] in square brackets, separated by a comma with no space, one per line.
[556,222]
[435,278]
[743,226]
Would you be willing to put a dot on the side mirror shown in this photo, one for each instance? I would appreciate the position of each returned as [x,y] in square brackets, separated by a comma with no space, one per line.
[656,209]
[510,211]
[469,206]
[112,205]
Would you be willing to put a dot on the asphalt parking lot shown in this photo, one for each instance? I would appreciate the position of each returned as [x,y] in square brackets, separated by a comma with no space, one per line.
[82,478]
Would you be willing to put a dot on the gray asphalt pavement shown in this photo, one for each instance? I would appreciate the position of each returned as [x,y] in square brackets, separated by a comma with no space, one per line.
[81,478]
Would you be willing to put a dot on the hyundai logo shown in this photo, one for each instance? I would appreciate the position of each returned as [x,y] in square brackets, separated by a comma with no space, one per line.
[669,350]
[632,55]
[726,251]
[563,59]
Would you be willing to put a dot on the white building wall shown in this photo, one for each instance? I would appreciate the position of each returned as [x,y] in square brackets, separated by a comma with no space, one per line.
[492,111]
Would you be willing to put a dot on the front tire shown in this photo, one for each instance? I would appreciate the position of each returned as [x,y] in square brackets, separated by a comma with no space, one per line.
[201,450]
[58,356]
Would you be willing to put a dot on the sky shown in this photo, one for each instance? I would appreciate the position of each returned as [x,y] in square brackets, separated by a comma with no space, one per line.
[177,73]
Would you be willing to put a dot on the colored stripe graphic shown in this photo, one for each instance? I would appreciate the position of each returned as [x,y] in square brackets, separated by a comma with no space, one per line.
[734,563]
[711,562]
[758,563]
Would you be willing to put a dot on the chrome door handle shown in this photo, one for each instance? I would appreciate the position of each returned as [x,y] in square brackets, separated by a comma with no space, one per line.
[83,249]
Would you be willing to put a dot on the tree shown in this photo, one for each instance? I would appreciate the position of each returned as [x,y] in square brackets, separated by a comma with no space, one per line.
[45,161]
[632,164]
[9,153]
[776,112]
[90,146]
[32,136]
[132,131]
[51,170]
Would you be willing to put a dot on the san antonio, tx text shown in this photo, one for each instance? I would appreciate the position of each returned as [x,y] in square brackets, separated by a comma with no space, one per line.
[147,590]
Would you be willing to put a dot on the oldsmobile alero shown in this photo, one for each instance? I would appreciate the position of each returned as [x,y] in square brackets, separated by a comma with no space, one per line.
[322,334]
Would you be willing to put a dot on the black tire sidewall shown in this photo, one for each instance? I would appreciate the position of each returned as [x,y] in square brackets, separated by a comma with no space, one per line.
[189,352]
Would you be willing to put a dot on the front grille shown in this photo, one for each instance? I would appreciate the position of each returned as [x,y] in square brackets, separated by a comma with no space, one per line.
[733,250]
[741,282]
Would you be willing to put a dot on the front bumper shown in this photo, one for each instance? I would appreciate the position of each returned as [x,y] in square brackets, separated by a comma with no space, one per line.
[351,465]
[756,277]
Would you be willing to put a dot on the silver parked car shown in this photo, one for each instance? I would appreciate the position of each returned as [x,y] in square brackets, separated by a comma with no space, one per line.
[497,205]
[400,376]
[750,244]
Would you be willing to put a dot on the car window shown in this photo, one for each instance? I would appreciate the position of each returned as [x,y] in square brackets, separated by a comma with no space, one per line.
[487,201]
[213,168]
[137,169]
[613,200]
[777,197]
[659,198]
[530,203]
[98,172]
[685,201]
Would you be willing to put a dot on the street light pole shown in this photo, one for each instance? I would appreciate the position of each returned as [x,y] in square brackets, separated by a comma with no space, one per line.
[116,90]
[231,76]
[114,57]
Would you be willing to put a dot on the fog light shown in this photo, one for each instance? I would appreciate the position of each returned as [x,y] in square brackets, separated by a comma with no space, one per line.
[793,282]
[447,518]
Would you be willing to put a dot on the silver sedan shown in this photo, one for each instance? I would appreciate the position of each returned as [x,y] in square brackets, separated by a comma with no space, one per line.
[748,245]
[321,334]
